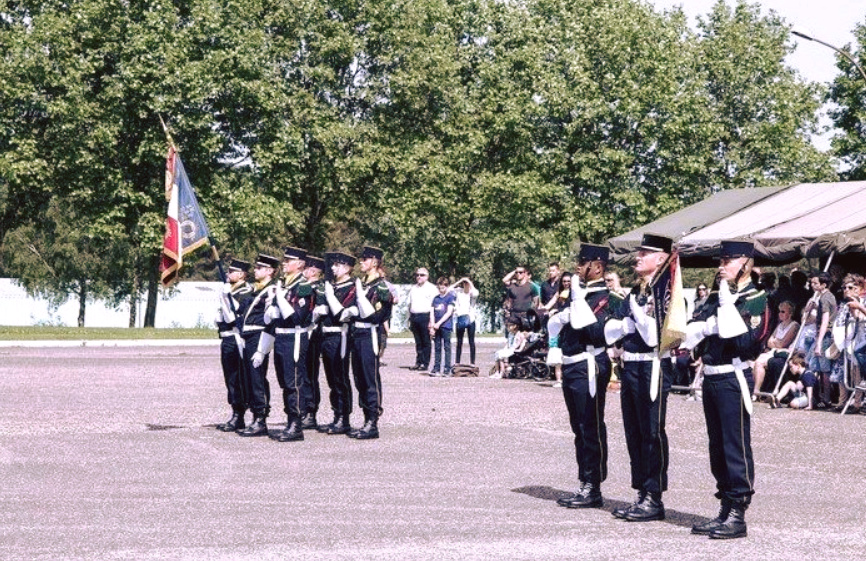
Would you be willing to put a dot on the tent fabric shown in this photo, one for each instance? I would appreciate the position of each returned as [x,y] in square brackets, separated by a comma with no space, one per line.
[803,220]
[692,218]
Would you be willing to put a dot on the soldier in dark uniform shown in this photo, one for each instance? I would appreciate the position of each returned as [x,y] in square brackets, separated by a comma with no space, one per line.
[728,333]
[313,274]
[234,290]
[288,319]
[645,384]
[331,304]
[577,342]
[372,308]
[251,320]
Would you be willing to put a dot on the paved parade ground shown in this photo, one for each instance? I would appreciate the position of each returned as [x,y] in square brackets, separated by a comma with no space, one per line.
[111,453]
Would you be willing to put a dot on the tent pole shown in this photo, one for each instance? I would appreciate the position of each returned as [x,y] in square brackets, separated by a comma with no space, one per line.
[829,261]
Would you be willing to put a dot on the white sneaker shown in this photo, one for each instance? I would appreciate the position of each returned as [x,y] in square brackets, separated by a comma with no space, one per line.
[496,375]
[557,384]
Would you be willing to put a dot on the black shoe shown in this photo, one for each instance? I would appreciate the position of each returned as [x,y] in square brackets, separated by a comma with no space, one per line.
[309,422]
[622,511]
[707,527]
[258,427]
[236,423]
[588,497]
[340,425]
[324,428]
[367,432]
[734,526]
[650,508]
[293,432]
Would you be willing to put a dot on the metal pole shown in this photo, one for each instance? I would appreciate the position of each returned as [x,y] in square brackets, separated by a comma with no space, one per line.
[840,51]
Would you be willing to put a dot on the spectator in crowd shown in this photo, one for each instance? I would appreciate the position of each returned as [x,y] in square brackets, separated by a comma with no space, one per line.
[612,281]
[701,295]
[466,312]
[420,304]
[778,343]
[520,295]
[441,325]
[801,292]
[550,287]
[558,302]
[801,387]
[847,334]
[824,306]
[516,343]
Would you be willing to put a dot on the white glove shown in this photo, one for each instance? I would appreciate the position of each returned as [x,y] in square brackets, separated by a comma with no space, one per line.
[726,298]
[286,309]
[616,329]
[319,311]
[628,326]
[333,303]
[227,288]
[271,314]
[645,325]
[349,313]
[577,291]
[258,359]
[365,307]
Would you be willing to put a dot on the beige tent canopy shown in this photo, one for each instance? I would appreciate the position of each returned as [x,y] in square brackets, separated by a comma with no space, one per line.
[786,223]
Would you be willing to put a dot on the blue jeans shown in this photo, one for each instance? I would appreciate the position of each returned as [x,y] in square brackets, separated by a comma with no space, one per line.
[440,343]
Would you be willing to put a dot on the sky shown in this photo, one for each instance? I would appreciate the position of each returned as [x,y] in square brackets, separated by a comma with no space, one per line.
[831,21]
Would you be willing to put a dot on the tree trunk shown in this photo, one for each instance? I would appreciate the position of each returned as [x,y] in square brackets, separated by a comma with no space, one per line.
[133,298]
[152,293]
[82,301]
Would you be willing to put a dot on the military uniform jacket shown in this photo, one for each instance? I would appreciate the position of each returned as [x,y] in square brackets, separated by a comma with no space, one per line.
[345,293]
[633,342]
[752,306]
[575,341]
[380,297]
[239,292]
[302,298]
[251,313]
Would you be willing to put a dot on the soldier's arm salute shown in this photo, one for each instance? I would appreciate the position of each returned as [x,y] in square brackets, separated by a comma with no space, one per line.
[726,335]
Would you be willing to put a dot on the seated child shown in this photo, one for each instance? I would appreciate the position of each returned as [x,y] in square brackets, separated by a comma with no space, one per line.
[801,387]
[503,356]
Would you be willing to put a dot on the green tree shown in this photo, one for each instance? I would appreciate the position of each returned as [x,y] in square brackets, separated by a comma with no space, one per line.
[848,93]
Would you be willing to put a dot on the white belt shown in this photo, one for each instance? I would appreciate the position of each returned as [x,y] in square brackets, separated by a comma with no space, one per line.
[639,357]
[374,334]
[655,373]
[591,367]
[737,366]
[296,331]
[342,330]
[253,328]
[230,333]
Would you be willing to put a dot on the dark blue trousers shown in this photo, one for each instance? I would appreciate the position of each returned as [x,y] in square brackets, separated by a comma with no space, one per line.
[256,383]
[586,415]
[292,374]
[232,364]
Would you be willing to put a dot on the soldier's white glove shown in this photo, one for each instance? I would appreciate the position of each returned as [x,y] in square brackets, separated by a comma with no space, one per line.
[580,313]
[258,359]
[645,325]
[227,288]
[286,309]
[616,329]
[731,323]
[271,314]
[348,313]
[577,291]
[319,311]
[333,303]
[365,307]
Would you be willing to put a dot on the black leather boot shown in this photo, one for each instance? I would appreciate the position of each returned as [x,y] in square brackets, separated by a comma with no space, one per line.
[565,501]
[368,431]
[734,526]
[589,497]
[650,508]
[325,428]
[257,428]
[293,432]
[623,510]
[235,423]
[707,527]
[340,425]
[309,422]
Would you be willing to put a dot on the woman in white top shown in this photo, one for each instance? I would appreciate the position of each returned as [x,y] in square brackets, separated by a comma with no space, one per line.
[465,312]
[782,338]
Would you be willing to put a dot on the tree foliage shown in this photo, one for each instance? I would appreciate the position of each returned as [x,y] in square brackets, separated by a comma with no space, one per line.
[464,135]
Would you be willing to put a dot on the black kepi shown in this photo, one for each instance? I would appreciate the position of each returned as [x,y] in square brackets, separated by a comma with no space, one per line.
[732,249]
[654,242]
[590,252]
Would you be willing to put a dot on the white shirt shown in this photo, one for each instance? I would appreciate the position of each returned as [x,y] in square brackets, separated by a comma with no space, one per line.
[464,305]
[421,297]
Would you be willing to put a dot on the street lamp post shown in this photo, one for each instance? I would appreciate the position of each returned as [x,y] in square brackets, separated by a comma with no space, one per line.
[840,51]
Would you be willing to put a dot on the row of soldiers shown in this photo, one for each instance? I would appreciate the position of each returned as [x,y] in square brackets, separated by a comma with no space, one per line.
[304,317]
[725,336]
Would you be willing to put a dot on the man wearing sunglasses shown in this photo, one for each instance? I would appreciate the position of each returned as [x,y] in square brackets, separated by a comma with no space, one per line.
[421,297]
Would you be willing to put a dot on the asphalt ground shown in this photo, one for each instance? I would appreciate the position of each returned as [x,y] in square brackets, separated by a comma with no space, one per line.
[111,453]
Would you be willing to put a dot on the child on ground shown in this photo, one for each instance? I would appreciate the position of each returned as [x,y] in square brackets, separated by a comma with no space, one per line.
[801,387]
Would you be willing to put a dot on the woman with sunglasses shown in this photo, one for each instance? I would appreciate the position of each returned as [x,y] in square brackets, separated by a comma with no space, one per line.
[779,342]
[848,335]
